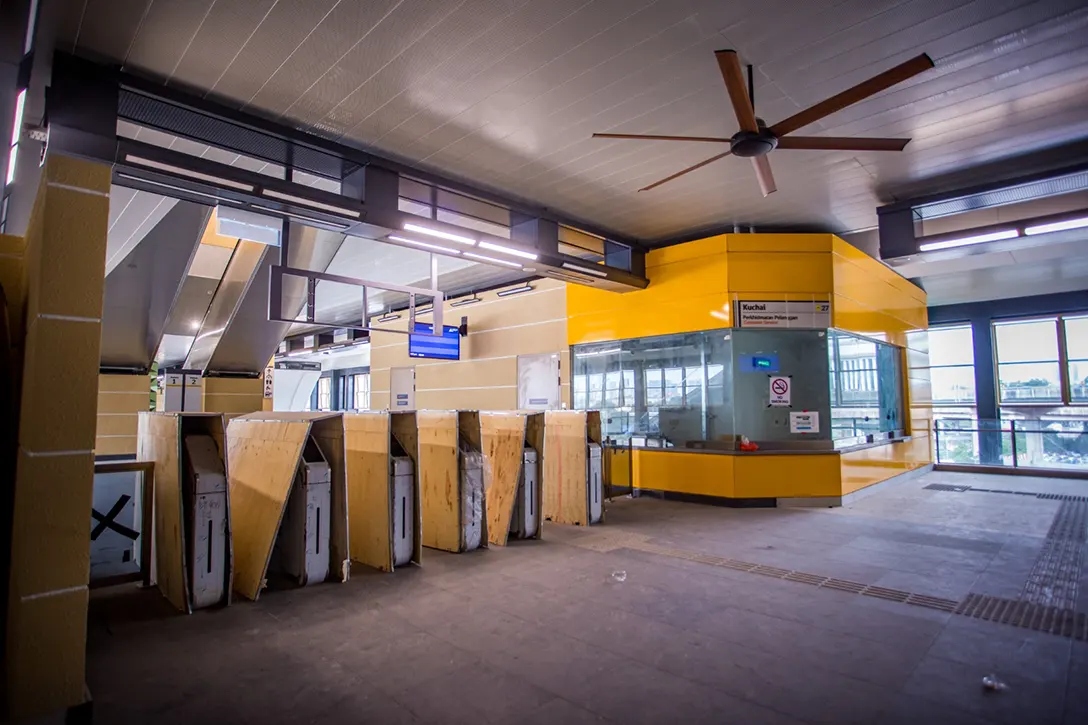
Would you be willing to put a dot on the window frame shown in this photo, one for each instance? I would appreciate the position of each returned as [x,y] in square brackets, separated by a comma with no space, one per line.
[973,403]
[1064,387]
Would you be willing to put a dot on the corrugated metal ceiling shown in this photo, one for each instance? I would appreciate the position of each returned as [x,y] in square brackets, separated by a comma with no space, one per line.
[506,93]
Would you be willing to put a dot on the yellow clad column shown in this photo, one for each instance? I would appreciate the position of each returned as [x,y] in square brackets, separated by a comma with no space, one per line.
[50,554]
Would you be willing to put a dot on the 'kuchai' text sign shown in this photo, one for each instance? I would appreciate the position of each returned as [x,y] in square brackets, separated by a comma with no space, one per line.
[753,313]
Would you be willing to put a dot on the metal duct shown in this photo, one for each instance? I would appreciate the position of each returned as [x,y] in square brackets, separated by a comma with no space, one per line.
[142,290]
[251,339]
[237,280]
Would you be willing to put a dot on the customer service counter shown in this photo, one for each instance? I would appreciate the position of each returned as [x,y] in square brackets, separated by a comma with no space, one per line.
[813,478]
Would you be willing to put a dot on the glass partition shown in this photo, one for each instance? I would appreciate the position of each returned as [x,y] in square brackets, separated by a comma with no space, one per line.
[762,356]
[866,387]
[704,390]
[672,389]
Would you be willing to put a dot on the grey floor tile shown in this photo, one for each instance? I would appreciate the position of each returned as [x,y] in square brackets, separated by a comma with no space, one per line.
[815,647]
[959,686]
[909,710]
[541,632]
[555,711]
[473,694]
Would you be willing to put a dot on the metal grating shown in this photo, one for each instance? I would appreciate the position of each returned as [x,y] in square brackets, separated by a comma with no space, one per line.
[1065,184]
[159,114]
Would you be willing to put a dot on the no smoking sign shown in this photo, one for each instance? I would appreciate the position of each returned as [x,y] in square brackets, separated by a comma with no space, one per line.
[780,391]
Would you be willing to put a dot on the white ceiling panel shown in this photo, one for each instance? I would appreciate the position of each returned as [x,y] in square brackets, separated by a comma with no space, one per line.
[506,93]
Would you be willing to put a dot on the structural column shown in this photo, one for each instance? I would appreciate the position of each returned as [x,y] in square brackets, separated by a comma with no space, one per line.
[50,552]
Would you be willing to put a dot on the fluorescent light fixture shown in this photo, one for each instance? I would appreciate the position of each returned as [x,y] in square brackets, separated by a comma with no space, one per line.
[168,186]
[468,301]
[507,250]
[571,277]
[515,290]
[242,224]
[299,353]
[424,310]
[425,245]
[967,241]
[300,217]
[492,260]
[584,270]
[272,193]
[171,169]
[1057,226]
[440,234]
[13,156]
[388,318]
[20,106]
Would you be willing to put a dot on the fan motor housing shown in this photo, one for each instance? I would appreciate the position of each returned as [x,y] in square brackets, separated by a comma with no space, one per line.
[748,144]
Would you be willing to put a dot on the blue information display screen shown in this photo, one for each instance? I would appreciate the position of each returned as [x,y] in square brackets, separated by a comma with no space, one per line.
[447,347]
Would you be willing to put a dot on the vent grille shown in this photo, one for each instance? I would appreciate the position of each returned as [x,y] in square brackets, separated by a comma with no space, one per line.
[145,110]
[1056,186]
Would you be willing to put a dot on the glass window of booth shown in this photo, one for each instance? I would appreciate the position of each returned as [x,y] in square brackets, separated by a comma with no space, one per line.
[866,387]
[674,389]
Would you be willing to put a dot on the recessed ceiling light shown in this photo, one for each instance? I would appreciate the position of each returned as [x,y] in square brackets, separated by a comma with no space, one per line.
[492,260]
[1057,226]
[967,241]
[272,193]
[170,168]
[425,245]
[507,250]
[440,234]
[194,325]
[584,270]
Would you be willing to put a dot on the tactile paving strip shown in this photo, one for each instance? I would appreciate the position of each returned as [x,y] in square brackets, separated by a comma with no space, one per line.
[618,540]
[1029,615]
[1054,579]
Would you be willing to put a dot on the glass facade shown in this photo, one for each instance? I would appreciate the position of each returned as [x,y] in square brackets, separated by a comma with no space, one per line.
[704,390]
[866,387]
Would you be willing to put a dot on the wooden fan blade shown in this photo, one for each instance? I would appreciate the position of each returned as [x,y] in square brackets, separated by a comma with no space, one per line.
[838,143]
[762,165]
[849,97]
[688,170]
[733,75]
[647,137]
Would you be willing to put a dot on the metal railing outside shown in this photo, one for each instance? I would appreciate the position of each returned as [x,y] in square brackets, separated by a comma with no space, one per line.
[1054,444]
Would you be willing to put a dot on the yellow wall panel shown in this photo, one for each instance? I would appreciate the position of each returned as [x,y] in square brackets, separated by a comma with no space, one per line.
[786,476]
[125,384]
[467,374]
[779,242]
[493,398]
[115,445]
[704,474]
[117,424]
[709,246]
[873,465]
[782,272]
[485,378]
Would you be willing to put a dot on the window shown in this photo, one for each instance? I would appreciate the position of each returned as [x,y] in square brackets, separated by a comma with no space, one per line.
[1028,367]
[866,386]
[360,391]
[952,365]
[1076,351]
[670,387]
[324,393]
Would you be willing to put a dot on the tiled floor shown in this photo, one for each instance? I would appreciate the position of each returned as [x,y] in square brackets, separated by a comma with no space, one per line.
[545,632]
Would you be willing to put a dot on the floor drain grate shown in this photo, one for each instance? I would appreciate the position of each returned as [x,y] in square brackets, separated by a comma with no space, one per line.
[1029,615]
[947,487]
[1042,608]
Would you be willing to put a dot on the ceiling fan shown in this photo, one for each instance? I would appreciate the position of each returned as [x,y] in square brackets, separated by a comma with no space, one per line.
[756,139]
